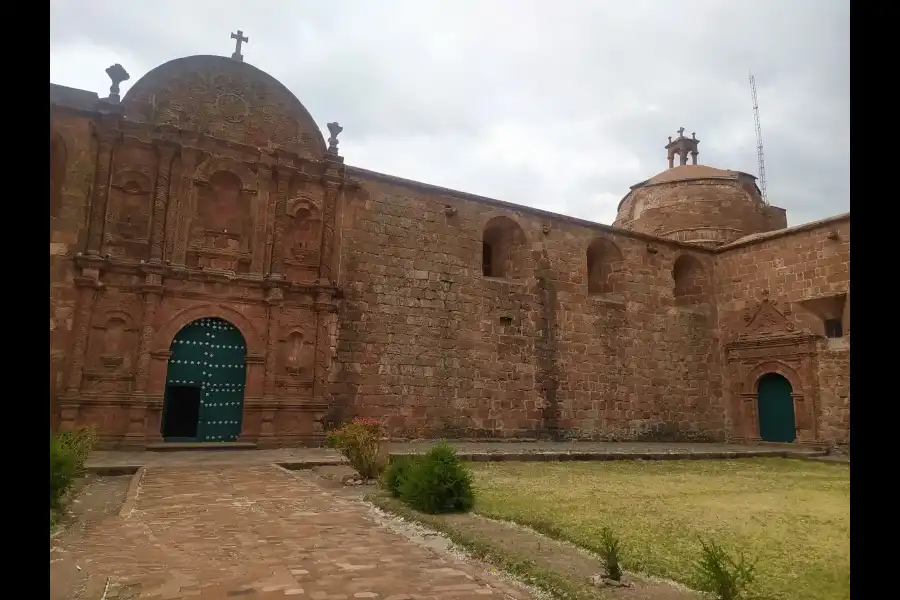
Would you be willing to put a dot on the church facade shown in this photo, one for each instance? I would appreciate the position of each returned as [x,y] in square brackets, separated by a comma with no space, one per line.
[219,274]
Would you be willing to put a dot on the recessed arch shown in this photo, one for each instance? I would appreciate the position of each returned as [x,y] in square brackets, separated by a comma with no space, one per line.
[604,265]
[503,249]
[162,341]
[691,281]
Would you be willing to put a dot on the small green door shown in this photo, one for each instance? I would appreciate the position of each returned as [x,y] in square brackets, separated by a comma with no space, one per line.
[209,354]
[776,409]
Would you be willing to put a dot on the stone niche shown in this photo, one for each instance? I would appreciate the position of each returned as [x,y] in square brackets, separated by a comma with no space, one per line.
[221,230]
[129,207]
[302,240]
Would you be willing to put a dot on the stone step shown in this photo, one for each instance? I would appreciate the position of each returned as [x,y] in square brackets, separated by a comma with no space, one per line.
[178,446]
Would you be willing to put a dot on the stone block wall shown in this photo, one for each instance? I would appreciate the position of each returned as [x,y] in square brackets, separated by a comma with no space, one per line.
[804,272]
[429,343]
[71,173]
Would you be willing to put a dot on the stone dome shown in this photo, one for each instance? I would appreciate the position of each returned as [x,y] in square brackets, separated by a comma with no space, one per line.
[698,204]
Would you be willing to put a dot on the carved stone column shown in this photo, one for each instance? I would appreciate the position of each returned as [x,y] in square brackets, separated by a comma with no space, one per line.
[165,155]
[266,430]
[137,414]
[107,142]
[325,308]
[88,284]
[284,179]
[258,257]
[179,227]
[332,187]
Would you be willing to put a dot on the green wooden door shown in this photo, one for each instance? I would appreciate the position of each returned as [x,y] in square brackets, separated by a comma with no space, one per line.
[210,354]
[776,409]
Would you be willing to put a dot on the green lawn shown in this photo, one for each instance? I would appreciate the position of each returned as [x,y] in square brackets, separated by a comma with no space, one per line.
[793,514]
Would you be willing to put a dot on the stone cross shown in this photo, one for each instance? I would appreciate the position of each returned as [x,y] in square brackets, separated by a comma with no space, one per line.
[681,132]
[239,39]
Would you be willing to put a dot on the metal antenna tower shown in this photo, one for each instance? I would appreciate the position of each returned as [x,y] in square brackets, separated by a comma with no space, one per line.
[760,157]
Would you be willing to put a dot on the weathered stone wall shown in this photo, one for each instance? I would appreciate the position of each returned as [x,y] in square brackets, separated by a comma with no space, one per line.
[704,211]
[71,172]
[804,273]
[429,343]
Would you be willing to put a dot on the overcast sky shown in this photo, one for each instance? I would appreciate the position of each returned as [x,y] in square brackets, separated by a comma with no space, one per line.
[557,105]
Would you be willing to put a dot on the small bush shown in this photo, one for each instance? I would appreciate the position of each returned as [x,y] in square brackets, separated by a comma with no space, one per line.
[610,551]
[63,467]
[437,483]
[720,574]
[395,473]
[68,452]
[360,442]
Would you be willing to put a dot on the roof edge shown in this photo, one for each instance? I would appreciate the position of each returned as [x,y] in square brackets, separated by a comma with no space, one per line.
[754,238]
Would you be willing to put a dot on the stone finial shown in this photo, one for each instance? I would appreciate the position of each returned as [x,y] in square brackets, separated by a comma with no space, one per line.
[335,130]
[117,74]
[239,39]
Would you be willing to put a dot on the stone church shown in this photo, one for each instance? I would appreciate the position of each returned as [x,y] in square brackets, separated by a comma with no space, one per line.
[219,274]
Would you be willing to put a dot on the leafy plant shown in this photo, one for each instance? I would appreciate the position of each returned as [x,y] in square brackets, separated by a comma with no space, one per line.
[610,551]
[360,442]
[437,482]
[720,574]
[395,473]
[68,452]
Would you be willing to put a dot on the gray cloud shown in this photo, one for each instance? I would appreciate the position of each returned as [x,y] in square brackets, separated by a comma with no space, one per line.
[560,106]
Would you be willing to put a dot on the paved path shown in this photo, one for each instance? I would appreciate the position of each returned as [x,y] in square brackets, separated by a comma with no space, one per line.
[255,532]
[107,462]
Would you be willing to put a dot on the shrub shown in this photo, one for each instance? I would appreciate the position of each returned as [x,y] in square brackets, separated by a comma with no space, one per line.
[720,574]
[395,473]
[437,483]
[63,467]
[68,452]
[360,442]
[610,551]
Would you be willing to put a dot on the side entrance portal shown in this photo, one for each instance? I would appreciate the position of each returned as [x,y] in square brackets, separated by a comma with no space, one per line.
[776,409]
[204,399]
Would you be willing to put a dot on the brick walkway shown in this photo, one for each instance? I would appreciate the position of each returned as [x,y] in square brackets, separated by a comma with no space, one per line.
[255,532]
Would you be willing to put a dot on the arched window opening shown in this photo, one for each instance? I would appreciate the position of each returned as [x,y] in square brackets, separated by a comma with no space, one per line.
[604,267]
[691,281]
[503,253]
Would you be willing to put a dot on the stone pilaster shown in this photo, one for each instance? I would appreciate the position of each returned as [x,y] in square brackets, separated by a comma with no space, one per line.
[107,142]
[277,269]
[266,430]
[137,415]
[88,285]
[184,206]
[165,155]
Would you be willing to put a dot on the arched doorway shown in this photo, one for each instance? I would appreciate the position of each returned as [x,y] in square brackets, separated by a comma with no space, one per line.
[204,399]
[775,403]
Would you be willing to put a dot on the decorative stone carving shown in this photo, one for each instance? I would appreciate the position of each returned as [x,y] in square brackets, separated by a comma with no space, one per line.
[767,319]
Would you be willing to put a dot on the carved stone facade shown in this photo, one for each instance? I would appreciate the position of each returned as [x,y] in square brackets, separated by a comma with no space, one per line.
[208,191]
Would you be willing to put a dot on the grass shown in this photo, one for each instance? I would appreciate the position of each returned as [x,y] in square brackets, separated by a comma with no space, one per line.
[793,515]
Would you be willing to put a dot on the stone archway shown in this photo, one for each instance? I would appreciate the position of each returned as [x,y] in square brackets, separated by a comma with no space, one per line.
[775,409]
[205,383]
